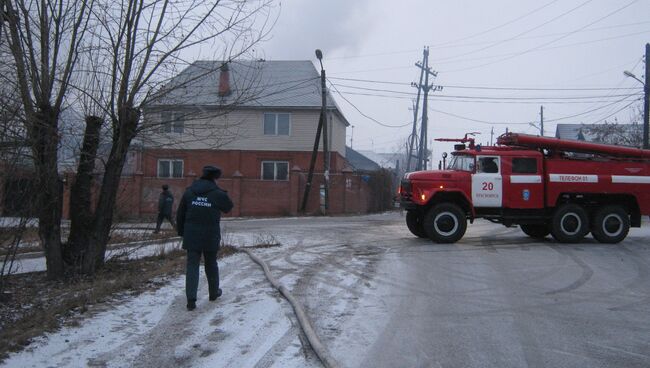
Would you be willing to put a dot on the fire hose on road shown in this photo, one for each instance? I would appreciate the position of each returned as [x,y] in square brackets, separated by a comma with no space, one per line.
[320,350]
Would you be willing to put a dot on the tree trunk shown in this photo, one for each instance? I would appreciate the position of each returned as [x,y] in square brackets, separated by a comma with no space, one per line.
[44,137]
[81,231]
[125,131]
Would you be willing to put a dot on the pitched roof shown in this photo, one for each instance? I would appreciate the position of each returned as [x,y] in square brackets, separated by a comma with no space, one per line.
[254,84]
[585,132]
[359,161]
[573,131]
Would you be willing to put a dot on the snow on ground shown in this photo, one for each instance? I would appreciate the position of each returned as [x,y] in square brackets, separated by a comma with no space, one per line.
[26,264]
[15,221]
[348,280]
[249,325]
[249,322]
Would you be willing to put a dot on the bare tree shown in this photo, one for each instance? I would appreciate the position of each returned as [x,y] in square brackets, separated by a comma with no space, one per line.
[134,48]
[13,188]
[619,134]
[43,38]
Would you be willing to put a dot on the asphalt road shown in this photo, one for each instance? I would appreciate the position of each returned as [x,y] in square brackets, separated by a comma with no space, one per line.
[379,297]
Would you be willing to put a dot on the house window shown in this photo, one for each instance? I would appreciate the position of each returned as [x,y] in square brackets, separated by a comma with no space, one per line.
[172,122]
[275,170]
[277,123]
[170,168]
[524,166]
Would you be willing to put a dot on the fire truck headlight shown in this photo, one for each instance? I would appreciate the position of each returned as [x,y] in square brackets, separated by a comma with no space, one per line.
[442,187]
[423,197]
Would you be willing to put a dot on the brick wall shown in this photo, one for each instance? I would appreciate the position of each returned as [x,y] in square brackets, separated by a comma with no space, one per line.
[137,196]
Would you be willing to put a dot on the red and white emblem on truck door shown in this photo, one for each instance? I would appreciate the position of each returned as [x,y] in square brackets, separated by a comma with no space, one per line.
[487,184]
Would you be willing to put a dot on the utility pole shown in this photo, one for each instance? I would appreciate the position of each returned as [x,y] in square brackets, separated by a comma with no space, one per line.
[492,136]
[541,120]
[421,163]
[326,156]
[646,95]
[352,136]
[322,127]
[646,100]
[413,137]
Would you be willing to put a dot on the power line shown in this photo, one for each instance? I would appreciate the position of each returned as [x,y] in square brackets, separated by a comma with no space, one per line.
[540,49]
[455,44]
[506,98]
[550,42]
[491,88]
[519,34]
[614,113]
[588,111]
[437,98]
[474,120]
[363,114]
[501,25]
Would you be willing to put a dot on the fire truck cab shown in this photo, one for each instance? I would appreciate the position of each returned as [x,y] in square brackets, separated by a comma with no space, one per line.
[544,185]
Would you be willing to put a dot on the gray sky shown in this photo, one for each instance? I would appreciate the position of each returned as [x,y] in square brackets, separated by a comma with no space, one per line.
[555,45]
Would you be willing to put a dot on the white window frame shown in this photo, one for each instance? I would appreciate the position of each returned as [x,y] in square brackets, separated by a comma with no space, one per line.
[170,162]
[177,120]
[275,170]
[276,114]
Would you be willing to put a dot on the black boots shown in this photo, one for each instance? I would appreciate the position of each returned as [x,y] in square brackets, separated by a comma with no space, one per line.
[214,297]
[191,304]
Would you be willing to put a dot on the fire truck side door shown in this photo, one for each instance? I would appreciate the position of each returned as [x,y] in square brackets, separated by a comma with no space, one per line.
[487,188]
[522,182]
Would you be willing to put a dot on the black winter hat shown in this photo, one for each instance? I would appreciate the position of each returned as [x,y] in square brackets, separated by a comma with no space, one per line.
[165,186]
[211,172]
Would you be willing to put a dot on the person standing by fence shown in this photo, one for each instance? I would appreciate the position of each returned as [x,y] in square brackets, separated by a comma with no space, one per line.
[165,202]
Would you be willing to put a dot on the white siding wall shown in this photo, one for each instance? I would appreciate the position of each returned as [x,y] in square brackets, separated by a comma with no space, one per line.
[244,130]
[337,135]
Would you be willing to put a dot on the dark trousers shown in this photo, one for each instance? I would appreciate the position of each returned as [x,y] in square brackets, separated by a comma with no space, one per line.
[161,217]
[192,272]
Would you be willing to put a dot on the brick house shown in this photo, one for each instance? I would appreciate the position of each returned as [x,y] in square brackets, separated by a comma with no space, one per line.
[257,120]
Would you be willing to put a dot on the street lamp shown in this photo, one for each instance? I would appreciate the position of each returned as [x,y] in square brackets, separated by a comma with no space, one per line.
[646,90]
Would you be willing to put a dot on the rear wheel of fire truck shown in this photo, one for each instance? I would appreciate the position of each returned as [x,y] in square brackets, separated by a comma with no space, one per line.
[535,231]
[611,224]
[570,223]
[415,224]
[445,223]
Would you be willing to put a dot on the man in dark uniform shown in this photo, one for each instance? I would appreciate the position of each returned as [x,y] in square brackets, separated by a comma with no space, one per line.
[165,202]
[198,218]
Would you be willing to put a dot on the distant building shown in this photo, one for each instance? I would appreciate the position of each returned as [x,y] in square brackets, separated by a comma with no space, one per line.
[257,120]
[359,162]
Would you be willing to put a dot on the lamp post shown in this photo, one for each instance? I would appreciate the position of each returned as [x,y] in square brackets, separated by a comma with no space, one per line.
[326,160]
[646,97]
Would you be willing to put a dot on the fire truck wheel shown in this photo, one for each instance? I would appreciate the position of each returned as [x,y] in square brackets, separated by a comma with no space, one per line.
[570,223]
[535,231]
[415,225]
[445,223]
[611,224]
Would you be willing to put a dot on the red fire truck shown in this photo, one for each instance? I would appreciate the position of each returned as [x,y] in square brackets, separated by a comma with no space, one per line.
[545,185]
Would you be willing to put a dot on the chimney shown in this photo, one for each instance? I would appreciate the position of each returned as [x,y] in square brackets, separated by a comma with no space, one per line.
[224,81]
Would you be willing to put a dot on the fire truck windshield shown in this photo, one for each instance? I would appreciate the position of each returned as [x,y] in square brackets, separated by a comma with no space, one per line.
[461,163]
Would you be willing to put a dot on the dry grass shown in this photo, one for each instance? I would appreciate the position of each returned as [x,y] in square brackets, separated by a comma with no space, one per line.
[37,305]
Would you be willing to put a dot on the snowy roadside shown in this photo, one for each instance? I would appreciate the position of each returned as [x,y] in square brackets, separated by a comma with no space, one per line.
[154,329]
[250,325]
